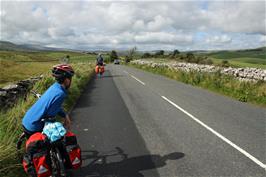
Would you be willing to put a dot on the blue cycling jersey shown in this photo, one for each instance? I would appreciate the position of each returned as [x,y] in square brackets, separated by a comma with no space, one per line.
[49,105]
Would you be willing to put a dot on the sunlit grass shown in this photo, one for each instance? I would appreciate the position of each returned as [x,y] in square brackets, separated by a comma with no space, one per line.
[15,66]
[243,62]
[14,71]
[227,85]
[10,121]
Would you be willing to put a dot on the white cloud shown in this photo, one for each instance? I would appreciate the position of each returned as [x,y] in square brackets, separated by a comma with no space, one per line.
[163,37]
[263,40]
[2,12]
[162,24]
[159,23]
[219,39]
[238,16]
[139,25]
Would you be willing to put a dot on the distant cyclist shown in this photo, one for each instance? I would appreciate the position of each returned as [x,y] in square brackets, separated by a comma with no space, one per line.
[99,60]
[50,103]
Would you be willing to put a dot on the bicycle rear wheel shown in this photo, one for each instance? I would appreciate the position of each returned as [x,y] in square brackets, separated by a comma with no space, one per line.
[58,166]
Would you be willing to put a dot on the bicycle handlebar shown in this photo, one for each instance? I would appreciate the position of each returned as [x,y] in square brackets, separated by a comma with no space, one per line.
[37,95]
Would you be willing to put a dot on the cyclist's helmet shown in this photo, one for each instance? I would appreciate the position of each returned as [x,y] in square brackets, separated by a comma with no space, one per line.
[62,71]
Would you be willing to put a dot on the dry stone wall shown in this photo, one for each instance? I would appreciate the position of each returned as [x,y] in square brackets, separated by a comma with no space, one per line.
[11,93]
[243,74]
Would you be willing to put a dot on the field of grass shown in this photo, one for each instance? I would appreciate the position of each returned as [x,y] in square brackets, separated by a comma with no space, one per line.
[38,56]
[224,84]
[243,62]
[10,121]
[13,71]
[16,66]
[243,58]
[252,53]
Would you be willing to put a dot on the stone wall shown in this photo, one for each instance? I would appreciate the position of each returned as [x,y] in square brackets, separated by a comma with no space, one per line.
[243,74]
[11,93]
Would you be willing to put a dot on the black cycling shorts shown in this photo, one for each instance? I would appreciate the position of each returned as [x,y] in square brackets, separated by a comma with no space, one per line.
[28,133]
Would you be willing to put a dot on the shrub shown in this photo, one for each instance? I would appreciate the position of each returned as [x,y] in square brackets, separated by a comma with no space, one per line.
[225,63]
[190,57]
[113,55]
[176,52]
[159,53]
[146,55]
[127,60]
[208,61]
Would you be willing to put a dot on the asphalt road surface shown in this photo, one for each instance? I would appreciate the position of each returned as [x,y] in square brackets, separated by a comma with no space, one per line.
[131,123]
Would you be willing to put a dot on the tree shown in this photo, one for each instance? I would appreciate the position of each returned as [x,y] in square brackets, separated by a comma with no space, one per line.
[159,53]
[131,53]
[208,61]
[190,57]
[113,55]
[127,60]
[146,55]
[176,52]
[225,63]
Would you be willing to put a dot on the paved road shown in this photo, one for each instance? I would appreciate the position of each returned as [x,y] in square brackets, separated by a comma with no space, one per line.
[132,123]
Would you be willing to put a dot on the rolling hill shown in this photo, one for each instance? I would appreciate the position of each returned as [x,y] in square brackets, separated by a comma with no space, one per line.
[9,46]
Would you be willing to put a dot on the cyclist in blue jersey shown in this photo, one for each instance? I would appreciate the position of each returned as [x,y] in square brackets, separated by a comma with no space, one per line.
[50,103]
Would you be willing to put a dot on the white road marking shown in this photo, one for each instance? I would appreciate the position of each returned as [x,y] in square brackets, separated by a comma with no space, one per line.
[126,72]
[218,134]
[137,79]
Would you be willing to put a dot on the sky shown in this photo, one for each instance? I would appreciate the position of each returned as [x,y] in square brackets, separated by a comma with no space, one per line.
[148,25]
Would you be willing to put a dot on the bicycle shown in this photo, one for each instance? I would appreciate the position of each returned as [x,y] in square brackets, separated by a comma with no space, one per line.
[57,162]
[99,70]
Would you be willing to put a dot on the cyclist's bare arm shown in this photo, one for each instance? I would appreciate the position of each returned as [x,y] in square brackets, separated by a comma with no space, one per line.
[67,122]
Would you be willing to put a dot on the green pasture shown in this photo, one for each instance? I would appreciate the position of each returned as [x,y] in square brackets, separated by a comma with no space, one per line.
[243,62]
[16,66]
[242,58]
[255,53]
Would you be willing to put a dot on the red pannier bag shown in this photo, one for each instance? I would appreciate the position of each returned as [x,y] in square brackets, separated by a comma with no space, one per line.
[73,150]
[36,161]
[97,69]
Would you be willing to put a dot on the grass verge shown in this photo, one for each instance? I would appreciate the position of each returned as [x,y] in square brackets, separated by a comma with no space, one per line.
[227,85]
[10,121]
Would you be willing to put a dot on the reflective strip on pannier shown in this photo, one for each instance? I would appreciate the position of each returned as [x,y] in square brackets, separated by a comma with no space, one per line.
[73,150]
[74,153]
